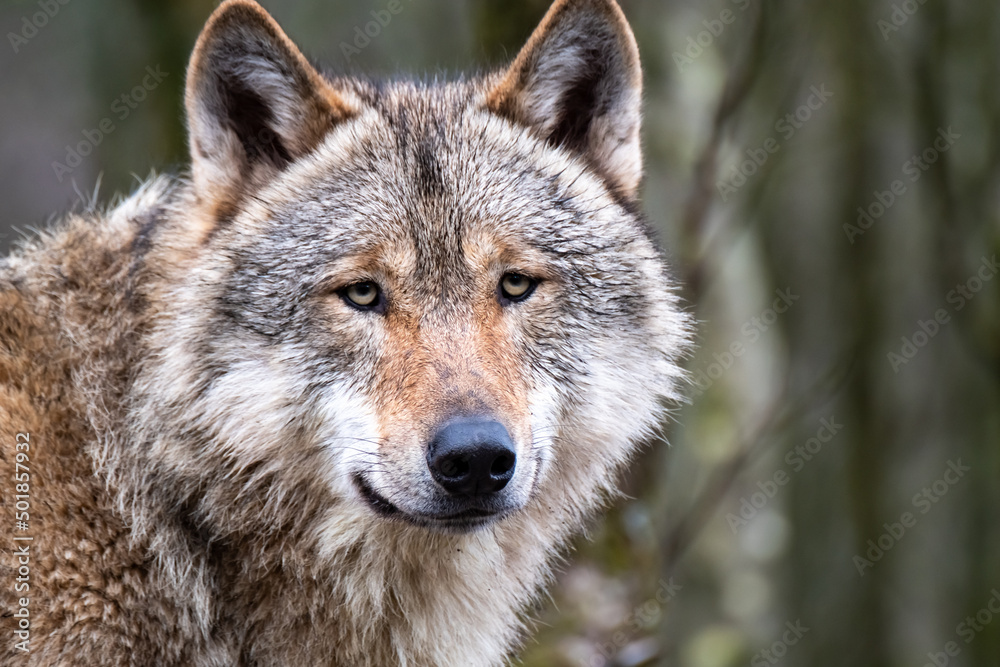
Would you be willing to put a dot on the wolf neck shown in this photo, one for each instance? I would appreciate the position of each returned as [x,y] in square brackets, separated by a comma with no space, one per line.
[395,596]
[362,593]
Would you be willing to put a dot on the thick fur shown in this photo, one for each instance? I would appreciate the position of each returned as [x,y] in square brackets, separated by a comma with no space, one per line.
[202,402]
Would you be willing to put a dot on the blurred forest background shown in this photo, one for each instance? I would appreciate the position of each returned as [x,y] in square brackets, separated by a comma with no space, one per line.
[826,178]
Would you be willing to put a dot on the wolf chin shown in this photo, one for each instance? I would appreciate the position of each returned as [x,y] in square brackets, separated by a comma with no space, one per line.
[341,395]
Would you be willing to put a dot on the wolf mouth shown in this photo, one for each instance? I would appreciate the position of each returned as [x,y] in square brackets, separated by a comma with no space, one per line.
[462,521]
[376,501]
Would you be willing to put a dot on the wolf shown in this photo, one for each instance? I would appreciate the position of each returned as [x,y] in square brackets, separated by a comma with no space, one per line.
[341,394]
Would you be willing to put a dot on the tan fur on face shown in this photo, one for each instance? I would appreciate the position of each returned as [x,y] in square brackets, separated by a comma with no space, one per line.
[463,365]
[435,364]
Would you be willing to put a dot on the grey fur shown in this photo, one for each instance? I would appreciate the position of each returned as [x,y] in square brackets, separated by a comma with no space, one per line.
[232,400]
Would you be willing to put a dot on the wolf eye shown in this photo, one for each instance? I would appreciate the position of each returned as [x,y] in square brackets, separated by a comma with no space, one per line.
[362,295]
[515,287]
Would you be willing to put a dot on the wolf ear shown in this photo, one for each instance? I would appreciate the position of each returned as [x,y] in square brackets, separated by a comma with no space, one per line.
[254,104]
[578,83]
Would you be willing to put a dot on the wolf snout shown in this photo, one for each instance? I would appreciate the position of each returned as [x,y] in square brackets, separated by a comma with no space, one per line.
[473,457]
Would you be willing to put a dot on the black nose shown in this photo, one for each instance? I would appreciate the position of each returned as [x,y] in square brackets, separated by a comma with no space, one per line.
[472,457]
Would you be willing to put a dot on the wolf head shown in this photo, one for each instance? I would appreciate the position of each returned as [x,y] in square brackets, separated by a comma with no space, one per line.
[403,306]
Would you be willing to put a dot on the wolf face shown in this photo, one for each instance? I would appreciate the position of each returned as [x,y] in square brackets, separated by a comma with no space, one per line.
[423,299]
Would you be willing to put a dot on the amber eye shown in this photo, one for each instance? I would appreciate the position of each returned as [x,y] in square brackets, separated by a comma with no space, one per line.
[515,287]
[362,295]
